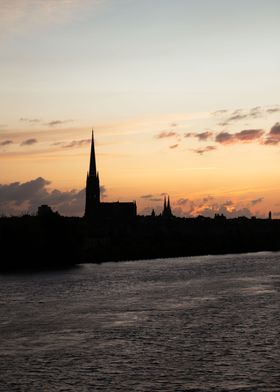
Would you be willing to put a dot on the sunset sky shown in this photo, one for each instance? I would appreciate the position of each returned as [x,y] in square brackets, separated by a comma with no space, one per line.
[183,96]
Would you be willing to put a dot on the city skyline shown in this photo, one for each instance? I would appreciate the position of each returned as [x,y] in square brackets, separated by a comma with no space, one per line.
[183,98]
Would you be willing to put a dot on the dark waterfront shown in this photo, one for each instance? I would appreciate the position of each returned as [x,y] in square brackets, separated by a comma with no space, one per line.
[207,323]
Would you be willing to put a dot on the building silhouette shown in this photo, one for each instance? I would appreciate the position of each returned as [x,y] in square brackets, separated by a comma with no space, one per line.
[94,208]
[167,212]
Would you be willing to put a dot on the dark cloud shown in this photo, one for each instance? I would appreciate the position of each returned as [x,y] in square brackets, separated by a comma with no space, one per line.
[147,196]
[174,146]
[30,120]
[249,135]
[245,136]
[256,201]
[20,192]
[6,142]
[201,151]
[29,142]
[273,137]
[166,134]
[21,197]
[77,143]
[224,138]
[155,199]
[189,134]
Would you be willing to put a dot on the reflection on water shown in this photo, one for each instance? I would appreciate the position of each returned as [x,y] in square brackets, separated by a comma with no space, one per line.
[191,324]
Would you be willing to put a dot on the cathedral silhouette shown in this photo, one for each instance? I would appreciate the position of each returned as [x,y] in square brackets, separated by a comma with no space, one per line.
[97,210]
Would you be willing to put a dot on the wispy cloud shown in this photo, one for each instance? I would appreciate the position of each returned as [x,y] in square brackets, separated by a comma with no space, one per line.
[166,134]
[201,136]
[77,143]
[219,112]
[256,201]
[152,198]
[273,110]
[54,123]
[173,146]
[244,114]
[30,120]
[6,142]
[182,201]
[201,151]
[29,142]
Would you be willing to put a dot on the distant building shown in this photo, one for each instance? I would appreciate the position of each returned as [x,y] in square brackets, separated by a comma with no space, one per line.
[45,210]
[269,215]
[94,208]
[167,212]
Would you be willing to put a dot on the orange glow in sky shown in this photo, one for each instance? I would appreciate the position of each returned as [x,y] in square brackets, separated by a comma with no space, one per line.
[183,98]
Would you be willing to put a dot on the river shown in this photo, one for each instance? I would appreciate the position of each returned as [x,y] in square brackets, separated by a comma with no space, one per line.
[206,323]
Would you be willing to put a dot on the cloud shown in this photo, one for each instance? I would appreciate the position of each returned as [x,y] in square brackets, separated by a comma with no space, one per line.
[273,110]
[249,135]
[245,136]
[273,137]
[219,112]
[241,114]
[6,142]
[77,143]
[174,146]
[17,197]
[256,201]
[29,142]
[182,201]
[30,120]
[202,136]
[173,125]
[54,123]
[224,138]
[152,198]
[166,134]
[201,151]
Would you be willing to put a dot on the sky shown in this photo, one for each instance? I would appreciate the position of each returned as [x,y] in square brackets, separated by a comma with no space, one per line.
[183,97]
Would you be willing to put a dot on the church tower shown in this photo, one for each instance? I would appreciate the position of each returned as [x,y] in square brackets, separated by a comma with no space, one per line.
[167,212]
[92,186]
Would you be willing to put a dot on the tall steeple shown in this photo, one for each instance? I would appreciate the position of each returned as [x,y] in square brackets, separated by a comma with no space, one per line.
[92,187]
[92,164]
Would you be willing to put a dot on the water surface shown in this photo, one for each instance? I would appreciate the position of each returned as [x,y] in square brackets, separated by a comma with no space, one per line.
[206,323]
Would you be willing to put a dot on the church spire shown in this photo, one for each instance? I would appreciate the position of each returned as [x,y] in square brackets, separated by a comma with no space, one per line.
[92,165]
